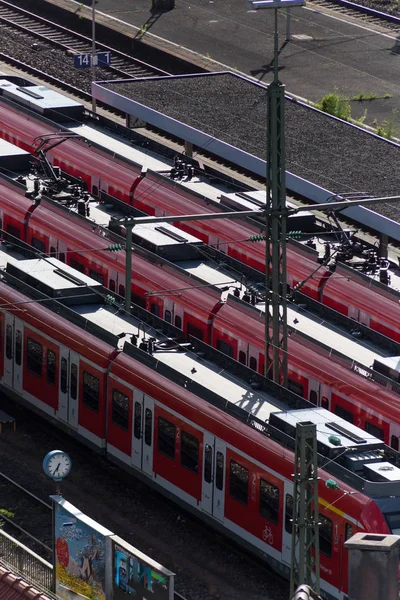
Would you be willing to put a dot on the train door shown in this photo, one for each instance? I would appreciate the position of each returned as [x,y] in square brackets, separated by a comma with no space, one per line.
[364,318]
[97,186]
[313,391]
[68,387]
[253,358]
[13,355]
[62,251]
[143,432]
[319,394]
[213,485]
[213,240]
[354,313]
[287,522]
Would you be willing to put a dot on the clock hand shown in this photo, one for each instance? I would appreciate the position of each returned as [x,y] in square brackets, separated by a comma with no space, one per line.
[58,466]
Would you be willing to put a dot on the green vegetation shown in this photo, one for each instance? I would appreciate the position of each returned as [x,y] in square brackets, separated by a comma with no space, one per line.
[6,513]
[335,104]
[389,128]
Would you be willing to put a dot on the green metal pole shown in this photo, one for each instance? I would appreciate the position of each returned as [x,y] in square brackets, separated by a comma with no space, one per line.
[305,532]
[275,268]
[128,267]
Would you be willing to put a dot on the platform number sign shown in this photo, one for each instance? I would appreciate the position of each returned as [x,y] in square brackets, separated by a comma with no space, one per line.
[85,61]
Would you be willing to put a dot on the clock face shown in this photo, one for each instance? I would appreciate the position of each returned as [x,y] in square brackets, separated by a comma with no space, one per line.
[59,465]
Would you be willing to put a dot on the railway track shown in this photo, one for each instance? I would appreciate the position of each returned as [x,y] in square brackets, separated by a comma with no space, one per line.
[364,13]
[46,33]
[26,516]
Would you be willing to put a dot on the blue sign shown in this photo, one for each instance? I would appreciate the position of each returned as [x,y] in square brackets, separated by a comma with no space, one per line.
[85,61]
[103,58]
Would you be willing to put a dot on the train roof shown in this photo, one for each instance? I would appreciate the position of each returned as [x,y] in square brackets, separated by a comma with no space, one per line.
[172,243]
[43,100]
[135,337]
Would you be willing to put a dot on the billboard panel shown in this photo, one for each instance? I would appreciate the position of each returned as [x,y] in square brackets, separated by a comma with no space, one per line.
[138,576]
[80,554]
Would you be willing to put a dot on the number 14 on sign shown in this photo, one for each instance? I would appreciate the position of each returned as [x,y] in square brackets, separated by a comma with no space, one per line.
[85,61]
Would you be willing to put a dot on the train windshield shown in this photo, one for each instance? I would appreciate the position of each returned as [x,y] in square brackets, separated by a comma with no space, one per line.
[393,520]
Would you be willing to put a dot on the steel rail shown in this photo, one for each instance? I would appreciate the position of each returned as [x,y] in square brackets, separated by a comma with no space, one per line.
[73,38]
[29,535]
[27,492]
[365,10]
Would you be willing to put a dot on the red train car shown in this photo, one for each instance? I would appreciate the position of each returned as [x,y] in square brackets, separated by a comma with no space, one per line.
[223,470]
[233,328]
[159,195]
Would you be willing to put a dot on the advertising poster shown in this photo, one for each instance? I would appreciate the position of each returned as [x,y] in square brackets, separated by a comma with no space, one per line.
[80,559]
[136,576]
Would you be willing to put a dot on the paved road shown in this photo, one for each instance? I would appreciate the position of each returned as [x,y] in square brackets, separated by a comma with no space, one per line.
[329,53]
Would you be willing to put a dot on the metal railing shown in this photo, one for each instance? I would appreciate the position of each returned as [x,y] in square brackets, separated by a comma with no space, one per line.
[21,560]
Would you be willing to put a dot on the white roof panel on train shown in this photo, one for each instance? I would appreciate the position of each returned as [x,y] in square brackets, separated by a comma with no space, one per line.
[37,95]
[111,142]
[327,428]
[52,271]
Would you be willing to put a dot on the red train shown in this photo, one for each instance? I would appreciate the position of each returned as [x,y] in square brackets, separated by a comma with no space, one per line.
[232,327]
[113,396]
[346,291]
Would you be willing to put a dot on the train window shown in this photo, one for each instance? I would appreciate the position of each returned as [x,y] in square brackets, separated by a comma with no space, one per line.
[195,331]
[34,357]
[137,427]
[120,409]
[239,482]
[95,190]
[75,264]
[64,375]
[242,357]
[253,363]
[168,316]
[325,402]
[14,232]
[166,437]
[208,463]
[189,451]
[51,367]
[18,347]
[374,430]
[219,471]
[39,245]
[394,442]
[1,224]
[269,501]
[295,387]
[112,285]
[74,381]
[155,309]
[61,257]
[348,531]
[96,276]
[121,290]
[91,391]
[53,251]
[325,535]
[178,322]
[148,426]
[313,397]
[225,348]
[343,413]
[9,337]
[289,513]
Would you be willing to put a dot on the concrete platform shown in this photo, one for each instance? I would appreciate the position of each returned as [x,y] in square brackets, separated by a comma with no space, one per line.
[325,51]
